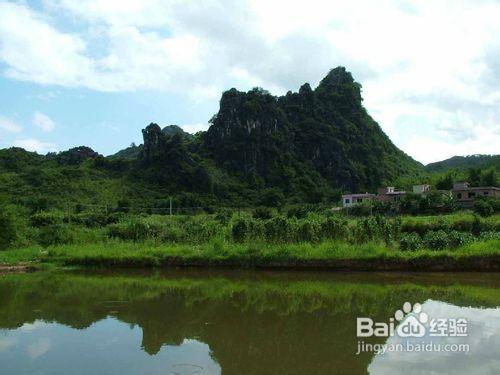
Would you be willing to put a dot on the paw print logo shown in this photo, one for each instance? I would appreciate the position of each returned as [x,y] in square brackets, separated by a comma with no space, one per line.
[412,320]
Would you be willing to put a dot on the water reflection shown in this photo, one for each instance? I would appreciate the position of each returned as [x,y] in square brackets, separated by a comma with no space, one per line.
[183,322]
[480,346]
[106,347]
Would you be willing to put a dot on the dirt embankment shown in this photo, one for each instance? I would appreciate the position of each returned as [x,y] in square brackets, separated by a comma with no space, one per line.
[20,267]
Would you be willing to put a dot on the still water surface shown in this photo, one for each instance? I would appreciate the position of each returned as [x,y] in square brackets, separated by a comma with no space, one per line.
[238,322]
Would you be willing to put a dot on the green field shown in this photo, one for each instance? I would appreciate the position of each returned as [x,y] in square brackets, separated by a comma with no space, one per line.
[322,255]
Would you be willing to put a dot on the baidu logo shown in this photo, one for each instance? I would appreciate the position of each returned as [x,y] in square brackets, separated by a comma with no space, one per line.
[411,321]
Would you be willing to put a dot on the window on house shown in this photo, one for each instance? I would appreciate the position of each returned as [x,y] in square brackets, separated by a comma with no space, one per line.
[472,195]
[347,200]
[459,195]
[485,193]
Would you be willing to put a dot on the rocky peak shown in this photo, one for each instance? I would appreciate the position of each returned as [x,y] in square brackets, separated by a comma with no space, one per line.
[76,155]
[337,76]
[172,130]
[340,88]
[154,142]
[305,89]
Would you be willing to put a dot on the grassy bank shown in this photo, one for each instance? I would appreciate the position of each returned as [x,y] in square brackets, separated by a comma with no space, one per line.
[257,239]
[484,255]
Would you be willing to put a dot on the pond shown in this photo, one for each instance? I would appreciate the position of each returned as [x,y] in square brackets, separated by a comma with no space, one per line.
[246,322]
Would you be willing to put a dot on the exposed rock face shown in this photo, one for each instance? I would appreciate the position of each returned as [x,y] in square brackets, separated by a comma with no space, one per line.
[155,143]
[326,130]
[166,160]
[172,130]
[76,155]
[250,134]
[321,138]
[159,142]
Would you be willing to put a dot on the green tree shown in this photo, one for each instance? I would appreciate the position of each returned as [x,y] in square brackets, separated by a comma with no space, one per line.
[483,207]
[489,178]
[475,176]
[272,197]
[446,183]
[8,232]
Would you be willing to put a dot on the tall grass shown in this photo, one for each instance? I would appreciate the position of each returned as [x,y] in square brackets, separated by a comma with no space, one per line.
[150,254]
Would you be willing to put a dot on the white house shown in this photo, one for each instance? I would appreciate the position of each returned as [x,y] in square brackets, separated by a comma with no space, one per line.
[421,189]
[349,200]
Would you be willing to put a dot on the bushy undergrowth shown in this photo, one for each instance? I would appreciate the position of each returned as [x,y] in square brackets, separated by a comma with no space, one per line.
[260,225]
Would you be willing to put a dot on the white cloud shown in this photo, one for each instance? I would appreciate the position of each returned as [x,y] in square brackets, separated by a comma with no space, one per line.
[32,144]
[482,338]
[37,324]
[35,51]
[9,125]
[194,128]
[6,343]
[44,122]
[434,62]
[38,348]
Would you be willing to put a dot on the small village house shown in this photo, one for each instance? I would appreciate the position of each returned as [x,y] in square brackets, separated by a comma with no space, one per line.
[389,194]
[349,200]
[421,189]
[465,194]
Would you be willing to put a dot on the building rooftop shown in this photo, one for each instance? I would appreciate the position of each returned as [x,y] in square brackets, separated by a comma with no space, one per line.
[476,188]
[358,195]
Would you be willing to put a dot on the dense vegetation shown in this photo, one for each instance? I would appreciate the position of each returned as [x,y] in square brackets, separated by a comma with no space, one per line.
[305,147]
[465,162]
[245,237]
[267,171]
[260,149]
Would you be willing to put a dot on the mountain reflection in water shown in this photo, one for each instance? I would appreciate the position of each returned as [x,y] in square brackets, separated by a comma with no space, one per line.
[241,322]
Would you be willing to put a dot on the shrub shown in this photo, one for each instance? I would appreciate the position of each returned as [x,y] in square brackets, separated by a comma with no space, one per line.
[491,235]
[94,218]
[363,209]
[436,240]
[297,211]
[199,229]
[271,197]
[8,230]
[379,227]
[278,229]
[410,241]
[256,229]
[133,229]
[123,205]
[42,219]
[334,228]
[263,213]
[457,239]
[169,233]
[309,231]
[483,207]
[55,234]
[478,225]
[224,215]
[239,230]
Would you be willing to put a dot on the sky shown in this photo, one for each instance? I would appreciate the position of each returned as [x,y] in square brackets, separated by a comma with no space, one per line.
[95,72]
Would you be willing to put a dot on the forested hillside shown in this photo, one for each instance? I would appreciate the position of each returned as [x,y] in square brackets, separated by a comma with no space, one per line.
[465,162]
[306,146]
